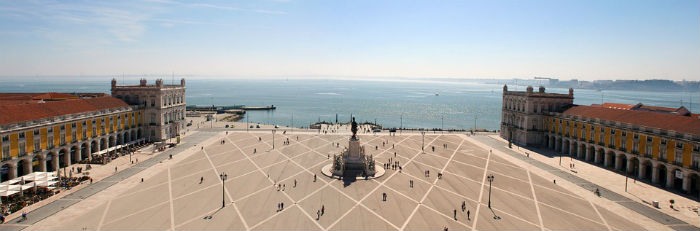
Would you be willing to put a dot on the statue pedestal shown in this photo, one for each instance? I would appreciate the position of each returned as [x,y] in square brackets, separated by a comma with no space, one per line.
[355,152]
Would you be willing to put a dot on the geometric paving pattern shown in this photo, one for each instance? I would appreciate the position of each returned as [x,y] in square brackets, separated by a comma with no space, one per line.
[176,198]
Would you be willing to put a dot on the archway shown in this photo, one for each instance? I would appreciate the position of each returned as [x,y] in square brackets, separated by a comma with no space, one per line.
[94,146]
[127,137]
[103,144]
[546,141]
[49,162]
[133,135]
[694,187]
[590,154]
[84,153]
[599,155]
[621,163]
[139,134]
[62,158]
[22,167]
[609,160]
[646,170]
[582,151]
[36,163]
[574,149]
[565,147]
[5,172]
[662,175]
[633,168]
[678,182]
[120,138]
[112,141]
[557,144]
[74,155]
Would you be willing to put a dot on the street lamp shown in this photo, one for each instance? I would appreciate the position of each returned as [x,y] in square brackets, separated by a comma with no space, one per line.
[442,122]
[490,179]
[401,127]
[223,177]
[273,138]
[422,148]
[246,122]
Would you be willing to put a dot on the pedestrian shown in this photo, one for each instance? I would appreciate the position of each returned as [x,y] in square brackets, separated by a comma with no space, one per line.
[201,179]
[323,209]
[464,205]
[278,207]
[284,186]
[468,215]
[115,168]
[282,205]
[383,196]
[555,181]
[314,177]
[318,214]
[90,180]
[141,180]
[455,214]
[255,150]
[295,183]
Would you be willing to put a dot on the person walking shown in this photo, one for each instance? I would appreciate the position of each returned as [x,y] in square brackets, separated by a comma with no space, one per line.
[464,205]
[455,214]
[323,209]
[468,215]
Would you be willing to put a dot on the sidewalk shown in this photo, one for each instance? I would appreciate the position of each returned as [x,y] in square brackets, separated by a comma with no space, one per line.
[611,184]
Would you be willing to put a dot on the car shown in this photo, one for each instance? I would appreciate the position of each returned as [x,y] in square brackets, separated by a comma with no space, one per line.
[277,126]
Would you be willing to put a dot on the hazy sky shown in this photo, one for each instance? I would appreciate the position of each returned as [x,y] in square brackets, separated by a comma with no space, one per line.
[583,39]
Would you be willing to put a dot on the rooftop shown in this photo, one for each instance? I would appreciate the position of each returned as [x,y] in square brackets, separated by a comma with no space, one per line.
[642,117]
[22,107]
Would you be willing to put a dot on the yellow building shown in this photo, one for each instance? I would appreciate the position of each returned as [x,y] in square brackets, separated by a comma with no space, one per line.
[658,144]
[47,131]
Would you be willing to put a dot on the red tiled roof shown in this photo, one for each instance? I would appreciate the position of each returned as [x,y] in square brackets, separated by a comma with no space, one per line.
[681,124]
[14,113]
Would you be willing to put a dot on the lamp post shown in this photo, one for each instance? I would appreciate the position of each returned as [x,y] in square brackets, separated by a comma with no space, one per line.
[273,138]
[401,127]
[246,122]
[422,148]
[490,179]
[223,177]
[442,124]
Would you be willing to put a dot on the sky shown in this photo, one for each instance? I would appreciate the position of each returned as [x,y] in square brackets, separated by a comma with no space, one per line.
[566,39]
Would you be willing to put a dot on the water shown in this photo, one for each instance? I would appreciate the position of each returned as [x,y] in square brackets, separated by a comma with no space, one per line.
[392,103]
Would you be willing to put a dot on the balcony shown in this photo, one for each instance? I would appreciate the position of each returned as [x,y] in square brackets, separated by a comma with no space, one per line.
[663,159]
[623,149]
[679,163]
[22,154]
[4,158]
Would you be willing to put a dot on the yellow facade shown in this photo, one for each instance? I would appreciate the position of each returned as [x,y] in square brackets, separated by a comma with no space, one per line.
[576,130]
[14,140]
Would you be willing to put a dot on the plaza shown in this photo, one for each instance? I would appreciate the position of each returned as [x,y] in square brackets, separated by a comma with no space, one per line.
[185,192]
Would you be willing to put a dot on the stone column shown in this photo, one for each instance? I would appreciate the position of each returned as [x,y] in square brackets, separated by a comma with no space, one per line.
[42,163]
[67,158]
[78,153]
[557,145]
[598,155]
[54,162]
[686,182]
[606,160]
[655,174]
[12,174]
[642,170]
[581,151]
[28,166]
[670,178]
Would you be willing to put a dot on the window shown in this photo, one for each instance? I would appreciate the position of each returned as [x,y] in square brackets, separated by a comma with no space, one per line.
[678,157]
[37,145]
[696,161]
[36,132]
[679,145]
[50,130]
[635,146]
[662,150]
[63,139]
[22,148]
[6,152]
[63,127]
[5,138]
[73,125]
[50,142]
[21,135]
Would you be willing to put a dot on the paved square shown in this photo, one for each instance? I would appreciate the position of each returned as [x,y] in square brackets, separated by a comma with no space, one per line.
[261,178]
